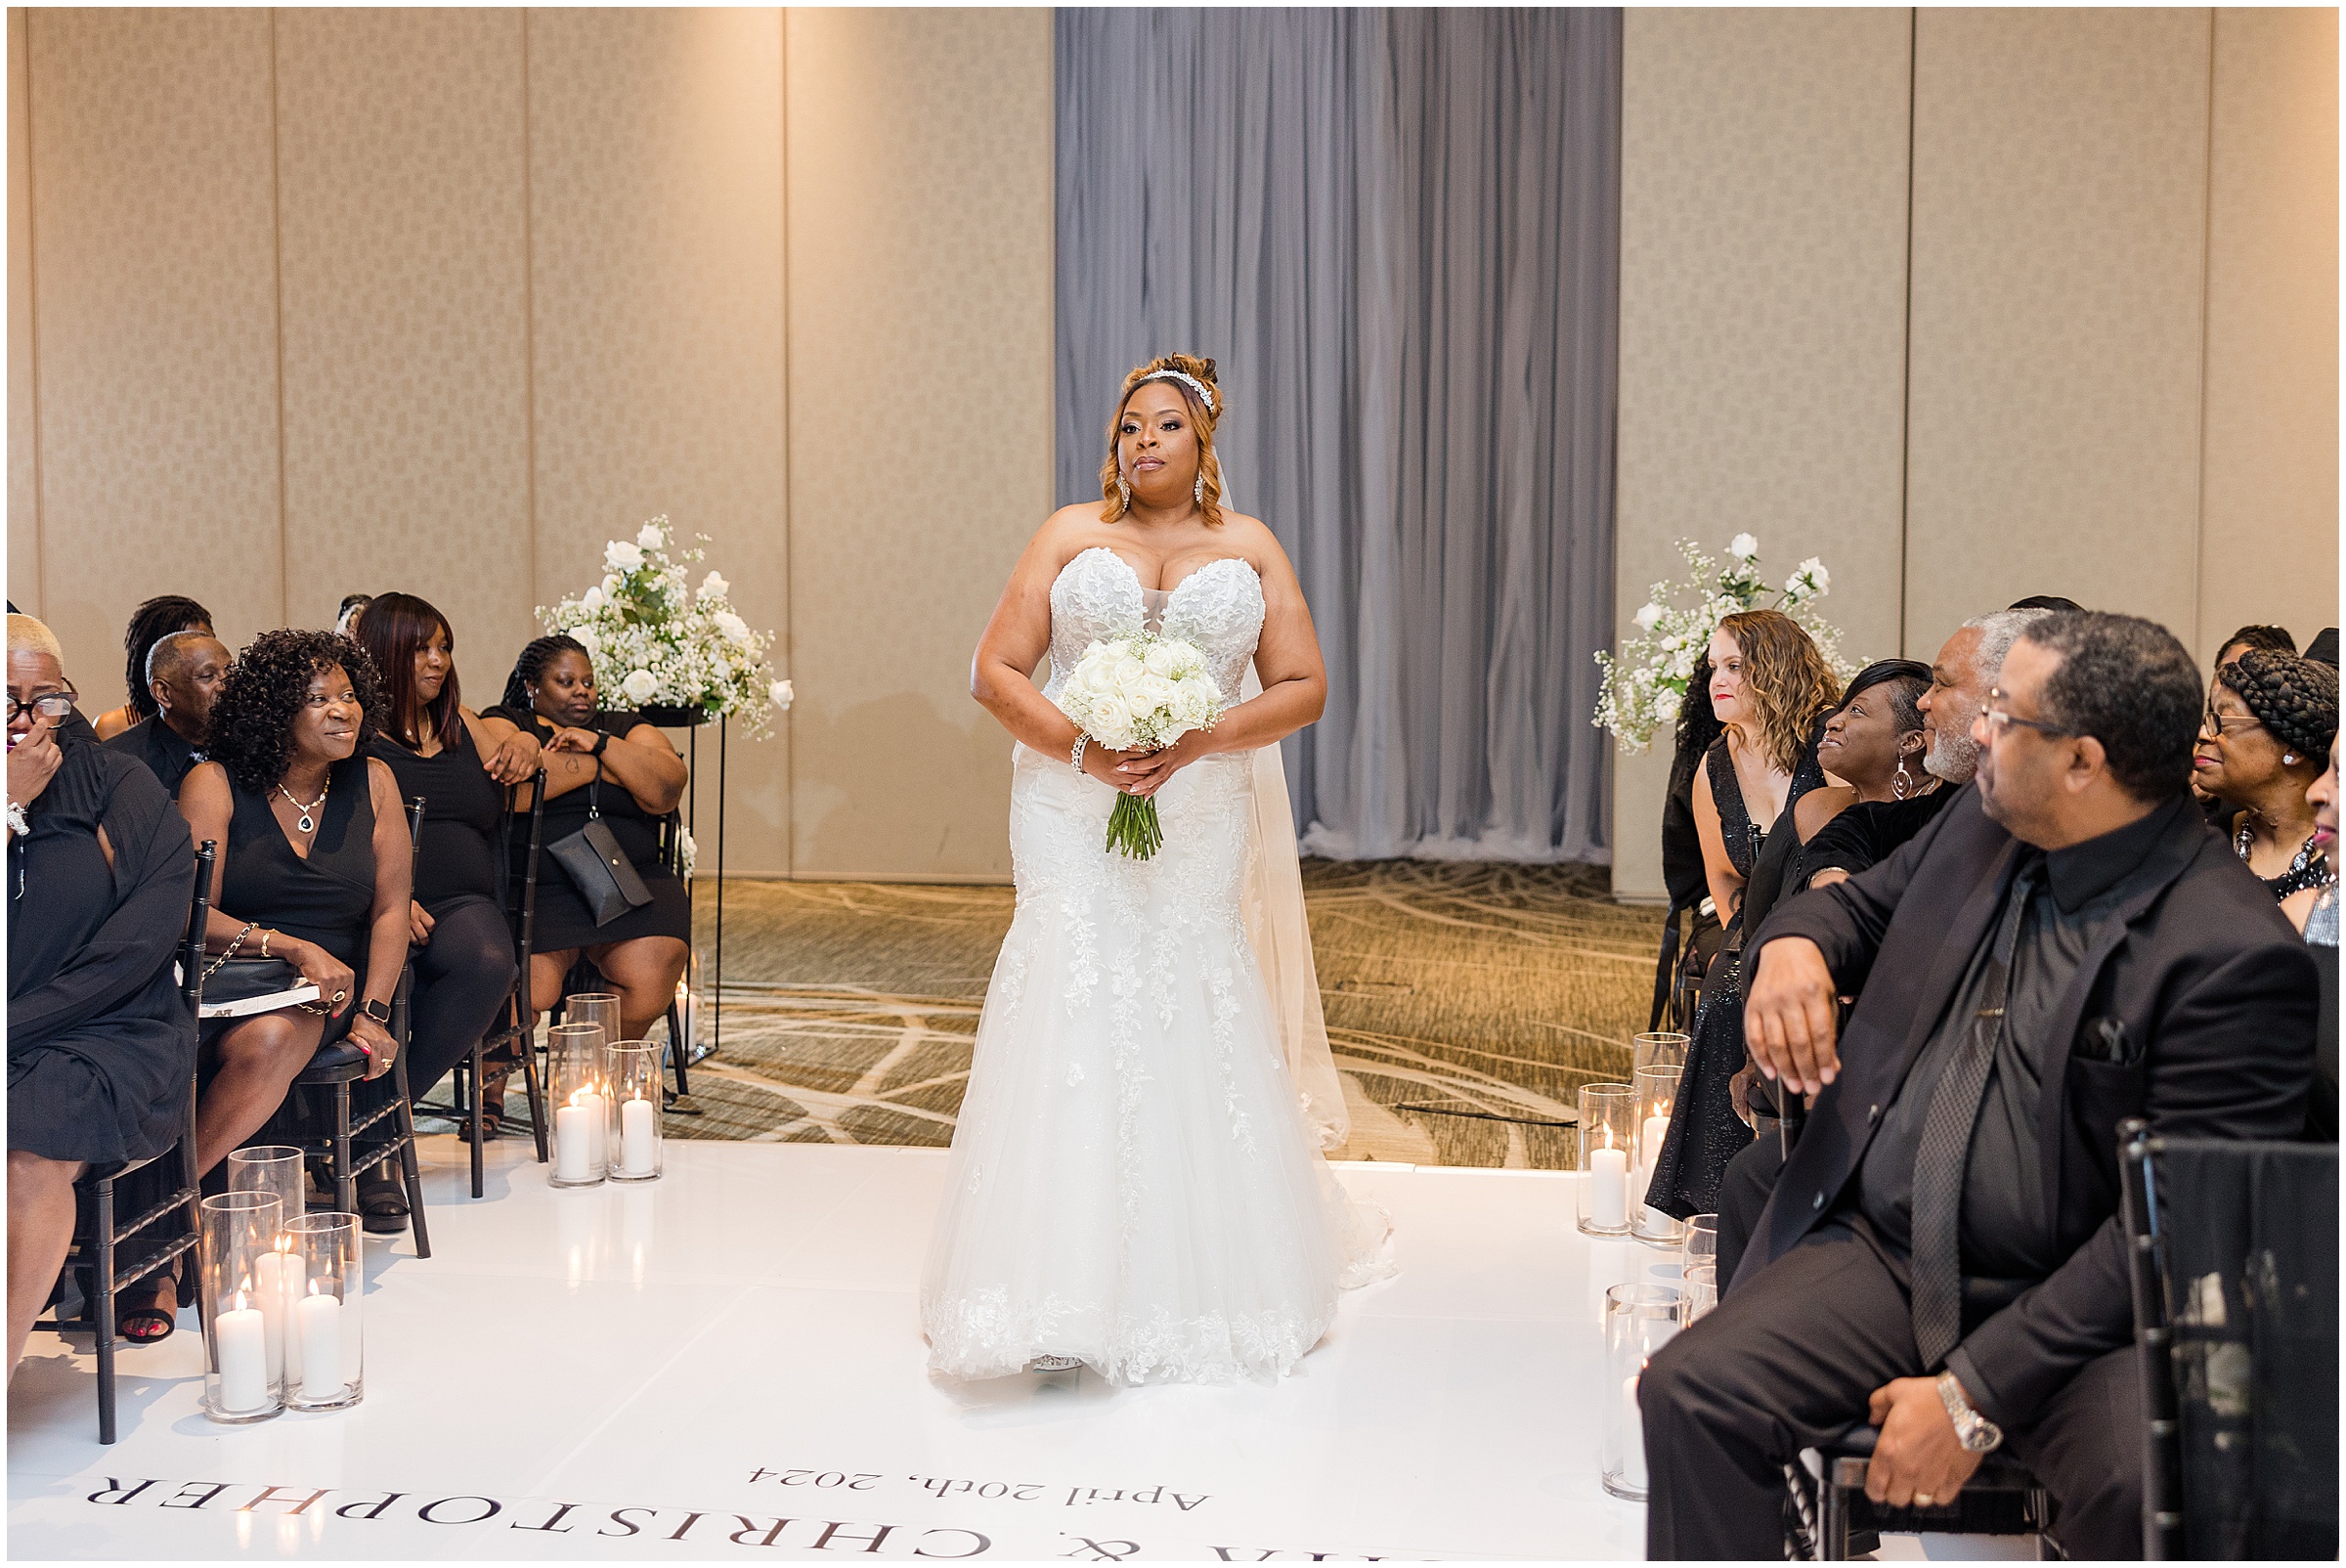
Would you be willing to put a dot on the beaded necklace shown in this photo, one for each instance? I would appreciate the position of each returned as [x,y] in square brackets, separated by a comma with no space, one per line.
[2307,870]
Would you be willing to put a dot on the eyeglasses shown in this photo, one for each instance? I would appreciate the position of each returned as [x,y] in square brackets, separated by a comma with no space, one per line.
[2217,725]
[1998,720]
[46,704]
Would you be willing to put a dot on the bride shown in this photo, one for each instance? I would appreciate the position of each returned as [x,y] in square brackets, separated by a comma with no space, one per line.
[1136,1181]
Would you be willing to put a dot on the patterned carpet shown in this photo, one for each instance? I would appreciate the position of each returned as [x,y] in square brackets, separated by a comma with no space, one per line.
[1467,1004]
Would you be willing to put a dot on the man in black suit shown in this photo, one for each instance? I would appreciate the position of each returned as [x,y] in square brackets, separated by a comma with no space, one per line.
[184,672]
[2065,947]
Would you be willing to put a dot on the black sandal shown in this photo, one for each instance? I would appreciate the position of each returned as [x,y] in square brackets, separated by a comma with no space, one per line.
[382,1205]
[150,1325]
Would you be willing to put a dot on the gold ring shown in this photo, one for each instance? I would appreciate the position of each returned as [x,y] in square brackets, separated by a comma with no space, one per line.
[1924,1500]
[340,997]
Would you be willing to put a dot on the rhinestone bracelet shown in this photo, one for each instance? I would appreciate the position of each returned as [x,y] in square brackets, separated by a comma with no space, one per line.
[1075,753]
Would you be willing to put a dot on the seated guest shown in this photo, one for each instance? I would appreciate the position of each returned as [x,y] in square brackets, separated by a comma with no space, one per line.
[2321,926]
[2323,649]
[2272,638]
[1771,690]
[184,672]
[1960,677]
[2264,739]
[149,623]
[2046,601]
[100,1045]
[1874,742]
[2066,948]
[1683,869]
[460,762]
[616,764]
[312,869]
[346,619]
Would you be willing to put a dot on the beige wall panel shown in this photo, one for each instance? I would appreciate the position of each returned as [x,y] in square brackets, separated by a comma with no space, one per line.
[657,268]
[403,228]
[156,288]
[2270,490]
[23,474]
[2059,219]
[921,330]
[1762,321]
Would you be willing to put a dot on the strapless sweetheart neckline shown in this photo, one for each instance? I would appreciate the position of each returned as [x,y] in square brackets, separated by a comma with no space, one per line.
[1102,550]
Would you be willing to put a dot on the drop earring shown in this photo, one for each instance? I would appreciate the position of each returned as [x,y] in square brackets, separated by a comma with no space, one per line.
[1123,495]
[1198,489]
[2289,759]
[1901,784]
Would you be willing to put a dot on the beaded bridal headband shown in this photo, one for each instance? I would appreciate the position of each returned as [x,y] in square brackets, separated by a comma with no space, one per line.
[1195,385]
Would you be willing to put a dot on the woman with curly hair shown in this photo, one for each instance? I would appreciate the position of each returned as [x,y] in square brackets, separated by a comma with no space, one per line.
[1771,691]
[2264,741]
[616,766]
[460,763]
[314,869]
[149,623]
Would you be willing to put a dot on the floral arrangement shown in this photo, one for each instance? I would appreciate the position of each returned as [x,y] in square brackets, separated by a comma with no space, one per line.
[656,641]
[1645,682]
[1139,693]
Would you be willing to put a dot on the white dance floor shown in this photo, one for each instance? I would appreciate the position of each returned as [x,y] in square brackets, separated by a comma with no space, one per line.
[727,1363]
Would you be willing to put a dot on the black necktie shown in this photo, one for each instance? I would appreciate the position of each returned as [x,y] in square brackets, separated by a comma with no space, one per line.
[1935,1234]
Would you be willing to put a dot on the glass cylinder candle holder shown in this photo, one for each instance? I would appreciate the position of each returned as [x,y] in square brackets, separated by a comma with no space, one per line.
[238,1234]
[1639,1319]
[1660,1049]
[1657,1096]
[329,1371]
[276,1169]
[578,1089]
[1699,1243]
[1699,1292]
[598,1008]
[1607,1117]
[635,1111]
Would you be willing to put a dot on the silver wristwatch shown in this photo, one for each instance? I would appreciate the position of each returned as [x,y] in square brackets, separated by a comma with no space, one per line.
[1975,1431]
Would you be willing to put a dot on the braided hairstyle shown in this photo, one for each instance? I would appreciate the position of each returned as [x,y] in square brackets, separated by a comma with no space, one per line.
[253,716]
[2297,699]
[149,623]
[530,666]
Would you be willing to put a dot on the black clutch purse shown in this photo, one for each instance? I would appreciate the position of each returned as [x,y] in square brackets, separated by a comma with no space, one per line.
[238,987]
[599,867]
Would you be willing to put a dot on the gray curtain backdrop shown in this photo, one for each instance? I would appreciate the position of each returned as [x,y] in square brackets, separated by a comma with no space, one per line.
[1397,233]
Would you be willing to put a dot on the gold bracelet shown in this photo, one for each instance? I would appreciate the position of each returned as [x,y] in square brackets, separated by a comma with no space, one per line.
[265,936]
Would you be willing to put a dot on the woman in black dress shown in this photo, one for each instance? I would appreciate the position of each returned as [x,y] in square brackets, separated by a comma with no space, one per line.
[1874,744]
[460,763]
[100,1046]
[618,765]
[1771,690]
[314,869]
[149,623]
[2264,741]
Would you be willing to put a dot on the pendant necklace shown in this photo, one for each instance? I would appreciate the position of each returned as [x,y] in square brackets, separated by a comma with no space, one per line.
[305,824]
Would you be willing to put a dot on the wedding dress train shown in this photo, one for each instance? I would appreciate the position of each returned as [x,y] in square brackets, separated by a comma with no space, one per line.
[1136,1179]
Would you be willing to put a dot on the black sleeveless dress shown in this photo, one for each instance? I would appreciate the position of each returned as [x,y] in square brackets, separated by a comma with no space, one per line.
[326,898]
[564,920]
[1705,1133]
[463,808]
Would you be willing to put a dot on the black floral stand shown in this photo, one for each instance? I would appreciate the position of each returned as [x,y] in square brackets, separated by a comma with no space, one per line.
[691,720]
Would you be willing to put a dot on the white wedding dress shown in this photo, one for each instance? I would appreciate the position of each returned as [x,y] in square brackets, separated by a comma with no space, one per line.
[1136,1180]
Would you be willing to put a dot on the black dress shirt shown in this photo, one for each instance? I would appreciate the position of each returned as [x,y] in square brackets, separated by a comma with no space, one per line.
[165,752]
[2006,1228]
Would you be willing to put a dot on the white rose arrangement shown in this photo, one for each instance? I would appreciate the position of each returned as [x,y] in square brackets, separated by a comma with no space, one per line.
[1645,681]
[1139,693]
[656,639]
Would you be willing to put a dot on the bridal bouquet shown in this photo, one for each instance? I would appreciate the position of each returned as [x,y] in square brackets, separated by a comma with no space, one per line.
[655,641]
[1646,684]
[1139,693]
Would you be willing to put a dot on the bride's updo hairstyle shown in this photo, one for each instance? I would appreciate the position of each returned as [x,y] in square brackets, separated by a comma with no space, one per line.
[1178,372]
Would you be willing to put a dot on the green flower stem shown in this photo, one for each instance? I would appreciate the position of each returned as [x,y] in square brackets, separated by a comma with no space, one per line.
[1132,827]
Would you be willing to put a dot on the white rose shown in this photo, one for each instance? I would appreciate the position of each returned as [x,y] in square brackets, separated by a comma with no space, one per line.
[715,587]
[639,686]
[1743,546]
[592,601]
[780,695]
[1164,659]
[1647,616]
[622,556]
[649,536]
[587,637]
[734,628]
[1814,571]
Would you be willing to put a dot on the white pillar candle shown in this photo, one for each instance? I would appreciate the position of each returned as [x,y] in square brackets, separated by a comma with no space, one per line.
[1649,1150]
[1608,1176]
[278,1285]
[575,1137]
[638,1135]
[598,1133]
[243,1343]
[318,1321]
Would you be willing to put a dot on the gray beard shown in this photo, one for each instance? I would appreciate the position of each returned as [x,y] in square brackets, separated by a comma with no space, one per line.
[1953,758]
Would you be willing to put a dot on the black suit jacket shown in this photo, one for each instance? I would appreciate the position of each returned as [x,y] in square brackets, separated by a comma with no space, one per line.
[2195,1009]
